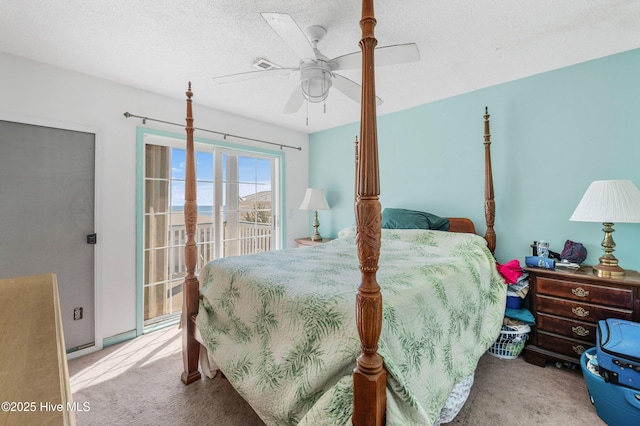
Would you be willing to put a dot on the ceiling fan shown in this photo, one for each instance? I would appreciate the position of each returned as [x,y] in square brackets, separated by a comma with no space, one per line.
[317,73]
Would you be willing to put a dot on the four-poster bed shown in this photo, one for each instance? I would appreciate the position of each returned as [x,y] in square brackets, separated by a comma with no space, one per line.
[285,339]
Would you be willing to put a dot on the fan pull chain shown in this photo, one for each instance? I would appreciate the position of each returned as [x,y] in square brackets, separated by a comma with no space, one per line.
[324,100]
[307,112]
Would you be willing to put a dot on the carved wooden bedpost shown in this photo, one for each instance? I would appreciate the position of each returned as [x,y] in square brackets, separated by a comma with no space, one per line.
[489,203]
[191,287]
[369,376]
[355,188]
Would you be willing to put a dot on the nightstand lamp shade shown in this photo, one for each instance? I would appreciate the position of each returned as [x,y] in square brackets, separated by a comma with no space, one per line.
[315,199]
[609,202]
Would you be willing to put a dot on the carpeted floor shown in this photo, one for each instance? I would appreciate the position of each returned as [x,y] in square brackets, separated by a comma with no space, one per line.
[138,383]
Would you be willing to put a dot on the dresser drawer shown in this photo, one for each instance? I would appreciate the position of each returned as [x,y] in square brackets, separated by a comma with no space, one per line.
[567,305]
[562,345]
[620,297]
[578,310]
[580,330]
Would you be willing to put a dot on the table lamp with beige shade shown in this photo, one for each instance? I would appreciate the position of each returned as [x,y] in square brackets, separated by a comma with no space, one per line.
[609,202]
[315,199]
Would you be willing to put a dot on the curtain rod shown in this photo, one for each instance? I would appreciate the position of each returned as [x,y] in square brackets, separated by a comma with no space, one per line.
[225,135]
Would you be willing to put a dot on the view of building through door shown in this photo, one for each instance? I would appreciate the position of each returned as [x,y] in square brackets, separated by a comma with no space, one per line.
[246,206]
[237,207]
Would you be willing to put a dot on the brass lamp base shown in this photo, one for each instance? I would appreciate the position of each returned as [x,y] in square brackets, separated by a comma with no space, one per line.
[608,271]
[608,266]
[316,235]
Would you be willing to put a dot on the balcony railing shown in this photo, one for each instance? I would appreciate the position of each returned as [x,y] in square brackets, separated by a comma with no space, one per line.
[250,238]
[165,296]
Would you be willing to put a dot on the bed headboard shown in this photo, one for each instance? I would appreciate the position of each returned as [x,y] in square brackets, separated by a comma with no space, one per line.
[463,224]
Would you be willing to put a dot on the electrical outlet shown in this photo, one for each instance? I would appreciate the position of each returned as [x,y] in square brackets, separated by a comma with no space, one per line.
[77,314]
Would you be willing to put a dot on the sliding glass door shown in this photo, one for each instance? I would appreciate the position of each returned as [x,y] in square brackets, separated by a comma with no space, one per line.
[238,198]
[246,205]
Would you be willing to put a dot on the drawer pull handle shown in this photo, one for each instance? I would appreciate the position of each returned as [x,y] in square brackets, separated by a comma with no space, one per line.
[580,292]
[580,311]
[580,331]
[578,349]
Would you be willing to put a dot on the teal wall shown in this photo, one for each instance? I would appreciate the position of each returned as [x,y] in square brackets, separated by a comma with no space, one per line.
[552,135]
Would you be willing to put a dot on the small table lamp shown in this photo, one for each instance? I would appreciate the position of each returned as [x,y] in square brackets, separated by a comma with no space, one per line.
[609,201]
[314,199]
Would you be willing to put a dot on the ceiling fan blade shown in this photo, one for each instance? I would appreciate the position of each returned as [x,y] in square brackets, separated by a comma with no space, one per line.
[350,88]
[386,55]
[295,101]
[233,78]
[284,25]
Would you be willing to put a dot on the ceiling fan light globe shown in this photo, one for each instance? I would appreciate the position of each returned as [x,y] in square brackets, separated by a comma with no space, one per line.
[315,82]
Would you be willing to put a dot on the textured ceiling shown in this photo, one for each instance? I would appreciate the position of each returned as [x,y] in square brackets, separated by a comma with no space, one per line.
[159,45]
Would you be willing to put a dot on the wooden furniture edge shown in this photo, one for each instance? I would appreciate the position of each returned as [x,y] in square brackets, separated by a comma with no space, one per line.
[190,302]
[461,224]
[489,202]
[63,366]
[308,242]
[33,353]
[369,375]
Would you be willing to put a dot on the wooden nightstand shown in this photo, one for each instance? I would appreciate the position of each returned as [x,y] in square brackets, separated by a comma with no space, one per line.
[306,242]
[567,306]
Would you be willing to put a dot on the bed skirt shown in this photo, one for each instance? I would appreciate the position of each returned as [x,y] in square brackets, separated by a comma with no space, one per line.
[452,406]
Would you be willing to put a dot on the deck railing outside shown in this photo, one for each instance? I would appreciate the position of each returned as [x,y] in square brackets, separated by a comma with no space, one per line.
[164,300]
[251,238]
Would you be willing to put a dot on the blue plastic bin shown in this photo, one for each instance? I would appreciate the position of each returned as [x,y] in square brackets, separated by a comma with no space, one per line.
[616,405]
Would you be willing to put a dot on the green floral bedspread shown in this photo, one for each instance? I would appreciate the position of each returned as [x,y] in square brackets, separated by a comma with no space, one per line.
[281,324]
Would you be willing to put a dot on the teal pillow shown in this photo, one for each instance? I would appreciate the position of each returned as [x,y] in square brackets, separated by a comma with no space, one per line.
[413,219]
